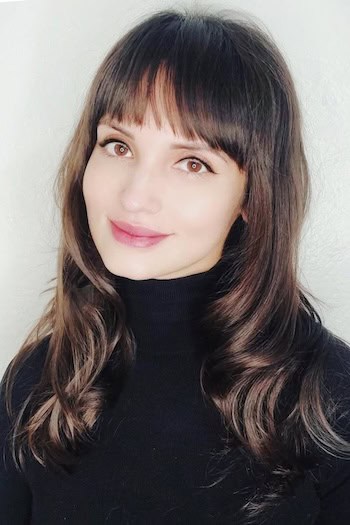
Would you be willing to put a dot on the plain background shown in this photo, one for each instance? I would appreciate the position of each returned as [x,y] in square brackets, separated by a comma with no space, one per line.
[49,53]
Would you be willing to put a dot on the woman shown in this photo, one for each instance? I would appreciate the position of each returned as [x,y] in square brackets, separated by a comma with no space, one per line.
[180,374]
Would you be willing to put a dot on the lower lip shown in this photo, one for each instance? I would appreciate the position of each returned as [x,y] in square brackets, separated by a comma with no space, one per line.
[133,240]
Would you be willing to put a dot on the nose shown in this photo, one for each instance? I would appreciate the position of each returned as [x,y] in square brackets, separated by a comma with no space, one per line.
[141,191]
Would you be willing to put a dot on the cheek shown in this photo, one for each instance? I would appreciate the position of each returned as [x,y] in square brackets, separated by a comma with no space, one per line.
[93,188]
[89,191]
[204,215]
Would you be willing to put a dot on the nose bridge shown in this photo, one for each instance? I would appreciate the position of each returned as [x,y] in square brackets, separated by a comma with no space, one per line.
[142,185]
[149,164]
[143,174]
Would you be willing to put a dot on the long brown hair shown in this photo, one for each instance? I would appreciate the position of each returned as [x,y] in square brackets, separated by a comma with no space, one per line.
[223,80]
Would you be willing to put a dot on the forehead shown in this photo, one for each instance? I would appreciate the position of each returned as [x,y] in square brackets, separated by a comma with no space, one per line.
[149,121]
[130,128]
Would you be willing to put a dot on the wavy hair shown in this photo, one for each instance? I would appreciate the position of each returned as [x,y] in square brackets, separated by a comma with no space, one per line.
[223,80]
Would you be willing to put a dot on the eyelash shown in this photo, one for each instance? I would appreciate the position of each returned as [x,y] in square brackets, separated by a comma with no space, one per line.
[109,140]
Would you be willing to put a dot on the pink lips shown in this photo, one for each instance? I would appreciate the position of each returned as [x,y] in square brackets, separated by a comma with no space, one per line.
[135,235]
[139,231]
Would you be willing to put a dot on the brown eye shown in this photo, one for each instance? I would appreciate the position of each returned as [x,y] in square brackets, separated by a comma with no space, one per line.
[193,166]
[121,147]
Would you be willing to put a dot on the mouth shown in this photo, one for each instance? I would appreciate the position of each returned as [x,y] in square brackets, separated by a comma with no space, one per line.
[135,240]
[137,230]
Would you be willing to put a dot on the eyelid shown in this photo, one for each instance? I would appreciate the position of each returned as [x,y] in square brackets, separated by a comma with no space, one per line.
[108,140]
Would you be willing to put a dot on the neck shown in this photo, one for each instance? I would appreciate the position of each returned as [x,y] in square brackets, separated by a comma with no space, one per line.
[164,314]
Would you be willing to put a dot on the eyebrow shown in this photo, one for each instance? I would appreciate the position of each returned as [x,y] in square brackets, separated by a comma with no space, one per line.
[174,145]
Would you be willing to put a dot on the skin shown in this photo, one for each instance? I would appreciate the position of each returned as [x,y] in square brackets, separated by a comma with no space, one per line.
[149,184]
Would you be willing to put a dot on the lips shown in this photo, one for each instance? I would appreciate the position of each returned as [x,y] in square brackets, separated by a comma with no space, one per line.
[138,231]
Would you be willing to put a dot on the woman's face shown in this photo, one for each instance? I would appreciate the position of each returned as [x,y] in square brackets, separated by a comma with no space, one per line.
[144,178]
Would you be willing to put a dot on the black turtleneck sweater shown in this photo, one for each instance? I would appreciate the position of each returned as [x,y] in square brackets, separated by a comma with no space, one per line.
[159,453]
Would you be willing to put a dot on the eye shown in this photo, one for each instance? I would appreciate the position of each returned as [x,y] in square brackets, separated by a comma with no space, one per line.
[193,160]
[105,142]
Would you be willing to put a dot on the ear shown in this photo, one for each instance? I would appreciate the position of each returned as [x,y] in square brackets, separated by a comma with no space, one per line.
[244,216]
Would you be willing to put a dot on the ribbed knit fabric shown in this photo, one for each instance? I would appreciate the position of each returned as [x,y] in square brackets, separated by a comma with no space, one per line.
[163,312]
[160,453]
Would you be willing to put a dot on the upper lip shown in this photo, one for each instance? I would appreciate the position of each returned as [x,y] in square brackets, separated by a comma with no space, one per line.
[139,231]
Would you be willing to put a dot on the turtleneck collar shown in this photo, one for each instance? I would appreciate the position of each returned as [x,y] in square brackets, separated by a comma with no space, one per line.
[163,313]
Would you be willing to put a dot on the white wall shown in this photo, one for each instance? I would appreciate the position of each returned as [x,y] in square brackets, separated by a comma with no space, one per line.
[49,52]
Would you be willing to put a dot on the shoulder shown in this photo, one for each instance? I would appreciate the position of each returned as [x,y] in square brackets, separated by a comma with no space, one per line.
[336,376]
[28,373]
[333,470]
[334,370]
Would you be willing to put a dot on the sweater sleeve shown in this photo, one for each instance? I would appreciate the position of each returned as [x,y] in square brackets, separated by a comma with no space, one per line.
[15,493]
[333,477]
